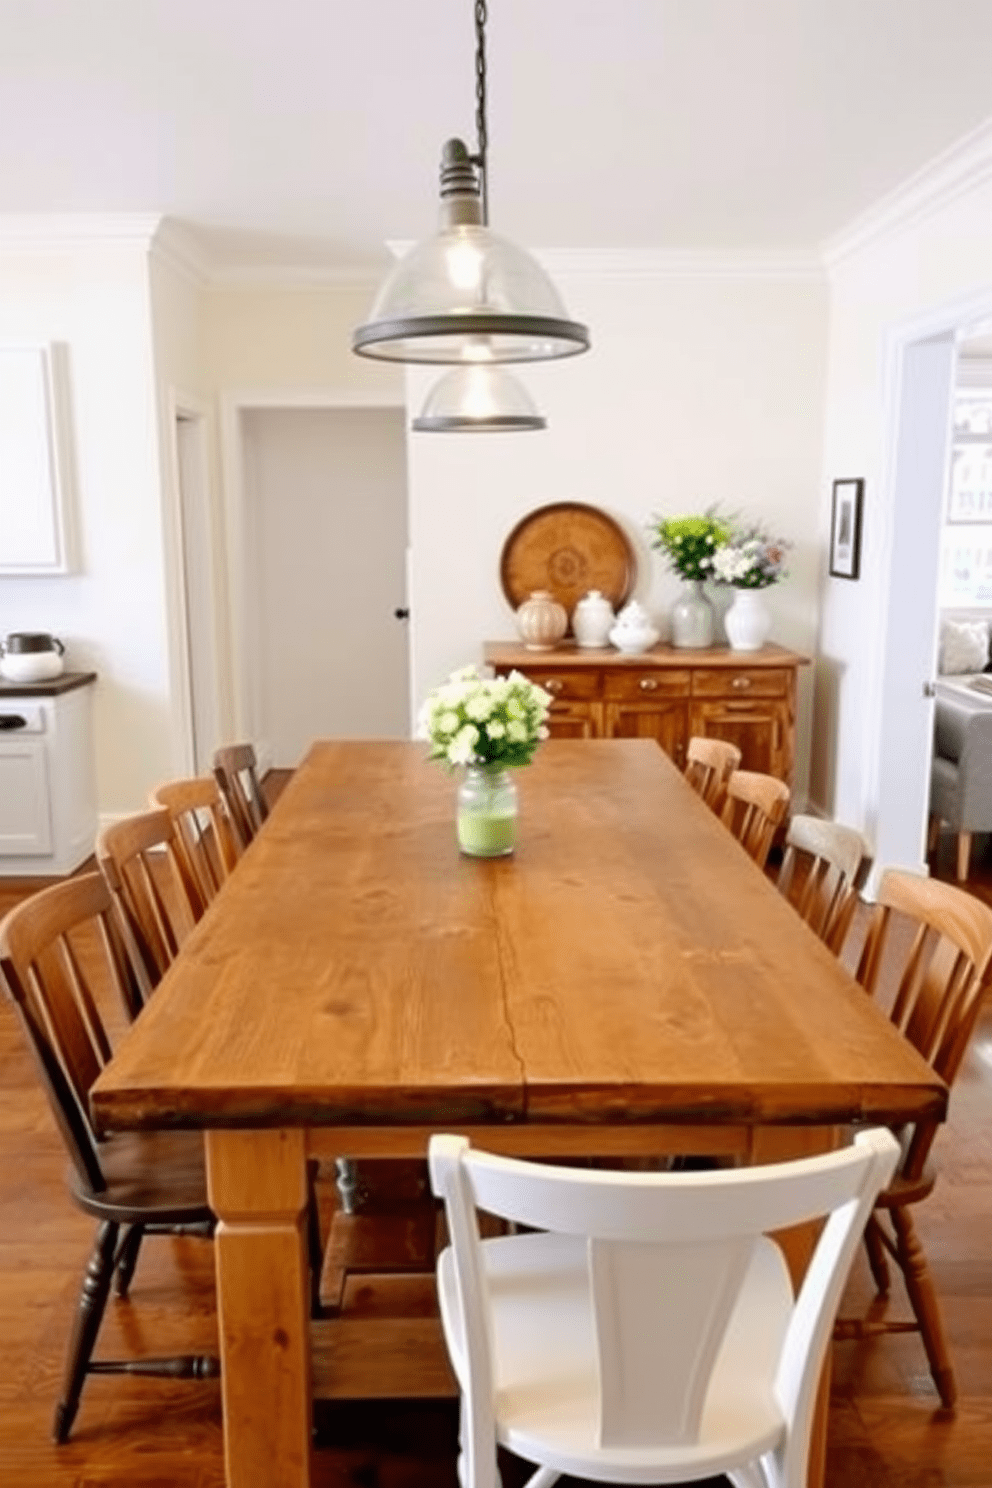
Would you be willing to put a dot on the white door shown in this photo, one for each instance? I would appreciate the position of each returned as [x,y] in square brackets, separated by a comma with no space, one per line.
[326,536]
[906,732]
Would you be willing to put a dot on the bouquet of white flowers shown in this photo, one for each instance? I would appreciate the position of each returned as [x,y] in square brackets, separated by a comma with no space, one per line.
[474,720]
[750,561]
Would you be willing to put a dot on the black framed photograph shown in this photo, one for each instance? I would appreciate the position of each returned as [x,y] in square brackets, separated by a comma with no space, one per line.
[845,529]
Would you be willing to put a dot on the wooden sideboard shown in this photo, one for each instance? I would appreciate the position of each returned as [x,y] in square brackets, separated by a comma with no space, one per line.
[748,697]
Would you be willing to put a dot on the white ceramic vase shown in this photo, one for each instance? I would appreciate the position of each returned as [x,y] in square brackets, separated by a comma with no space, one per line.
[692,618]
[747,621]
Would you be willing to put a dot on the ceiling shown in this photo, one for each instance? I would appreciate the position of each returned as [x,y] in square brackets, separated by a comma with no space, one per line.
[309,131]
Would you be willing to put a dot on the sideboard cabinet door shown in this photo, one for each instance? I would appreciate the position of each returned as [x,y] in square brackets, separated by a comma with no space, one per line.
[665,719]
[761,728]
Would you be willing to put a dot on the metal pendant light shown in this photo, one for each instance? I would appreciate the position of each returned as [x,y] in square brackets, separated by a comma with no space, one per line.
[467,295]
[478,399]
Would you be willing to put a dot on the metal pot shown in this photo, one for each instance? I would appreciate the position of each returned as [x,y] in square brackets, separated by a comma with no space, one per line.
[31,656]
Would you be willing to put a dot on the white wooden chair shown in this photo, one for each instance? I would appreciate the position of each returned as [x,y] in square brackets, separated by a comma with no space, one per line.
[649,1333]
[823,870]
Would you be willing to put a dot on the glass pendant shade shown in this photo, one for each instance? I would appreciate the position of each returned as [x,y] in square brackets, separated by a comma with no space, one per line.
[467,294]
[478,398]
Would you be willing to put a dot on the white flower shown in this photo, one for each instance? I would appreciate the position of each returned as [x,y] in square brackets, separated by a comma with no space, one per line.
[479,706]
[495,729]
[516,731]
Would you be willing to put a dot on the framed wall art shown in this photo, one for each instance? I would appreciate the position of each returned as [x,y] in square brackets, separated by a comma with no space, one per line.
[845,529]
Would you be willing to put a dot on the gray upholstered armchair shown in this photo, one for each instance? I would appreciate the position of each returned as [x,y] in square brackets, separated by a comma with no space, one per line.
[961,773]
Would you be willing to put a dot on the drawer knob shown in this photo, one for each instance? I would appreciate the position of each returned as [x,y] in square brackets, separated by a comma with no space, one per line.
[649,684]
[741,682]
[553,684]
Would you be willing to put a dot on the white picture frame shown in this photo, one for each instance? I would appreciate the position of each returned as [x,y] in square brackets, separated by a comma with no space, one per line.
[36,534]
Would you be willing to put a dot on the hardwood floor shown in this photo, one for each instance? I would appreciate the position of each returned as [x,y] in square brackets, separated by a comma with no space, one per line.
[886,1429]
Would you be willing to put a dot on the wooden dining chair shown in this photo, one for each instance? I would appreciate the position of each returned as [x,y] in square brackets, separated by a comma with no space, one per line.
[823,871]
[156,894]
[709,764]
[236,772]
[644,1328]
[754,809]
[61,951]
[205,836]
[941,980]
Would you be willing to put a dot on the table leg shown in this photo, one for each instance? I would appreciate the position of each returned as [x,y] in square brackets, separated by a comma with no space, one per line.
[257,1187]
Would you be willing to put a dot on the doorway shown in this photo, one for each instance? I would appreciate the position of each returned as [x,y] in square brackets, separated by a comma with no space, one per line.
[325,534]
[925,369]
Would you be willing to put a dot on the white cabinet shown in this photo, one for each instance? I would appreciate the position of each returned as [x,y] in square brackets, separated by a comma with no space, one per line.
[48,812]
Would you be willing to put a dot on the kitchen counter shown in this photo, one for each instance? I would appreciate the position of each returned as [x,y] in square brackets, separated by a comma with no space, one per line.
[51,687]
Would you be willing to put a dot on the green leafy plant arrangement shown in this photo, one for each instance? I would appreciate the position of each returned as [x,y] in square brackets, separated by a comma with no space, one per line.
[475,720]
[689,543]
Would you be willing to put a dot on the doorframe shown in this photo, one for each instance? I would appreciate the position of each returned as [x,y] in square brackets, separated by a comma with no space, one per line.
[246,702]
[953,318]
[181,405]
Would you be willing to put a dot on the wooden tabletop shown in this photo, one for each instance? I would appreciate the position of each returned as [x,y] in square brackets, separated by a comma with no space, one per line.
[629,962]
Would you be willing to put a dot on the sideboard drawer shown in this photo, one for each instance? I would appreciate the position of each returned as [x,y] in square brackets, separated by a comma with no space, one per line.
[643,683]
[740,682]
[567,686]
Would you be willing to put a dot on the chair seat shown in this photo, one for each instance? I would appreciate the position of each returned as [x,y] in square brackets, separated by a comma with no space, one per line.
[547,1387]
[151,1177]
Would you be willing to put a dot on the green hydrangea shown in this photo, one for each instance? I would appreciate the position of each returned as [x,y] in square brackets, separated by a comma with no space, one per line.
[689,543]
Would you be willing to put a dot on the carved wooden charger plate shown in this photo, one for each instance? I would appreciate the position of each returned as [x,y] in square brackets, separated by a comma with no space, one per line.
[567,548]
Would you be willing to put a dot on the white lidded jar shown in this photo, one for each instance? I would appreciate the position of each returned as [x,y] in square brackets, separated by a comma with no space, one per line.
[634,631]
[541,621]
[592,620]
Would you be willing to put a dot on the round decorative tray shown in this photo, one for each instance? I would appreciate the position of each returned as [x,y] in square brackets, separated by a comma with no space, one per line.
[567,548]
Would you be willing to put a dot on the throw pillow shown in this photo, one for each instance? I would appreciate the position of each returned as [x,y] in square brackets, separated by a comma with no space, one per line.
[964,646]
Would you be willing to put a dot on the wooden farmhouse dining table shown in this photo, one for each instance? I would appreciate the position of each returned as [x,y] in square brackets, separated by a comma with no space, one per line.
[627,982]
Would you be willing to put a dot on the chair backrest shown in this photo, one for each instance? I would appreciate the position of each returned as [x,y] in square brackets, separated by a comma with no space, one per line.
[236,771]
[148,876]
[709,764]
[941,978]
[54,966]
[754,809]
[823,870]
[204,833]
[668,1254]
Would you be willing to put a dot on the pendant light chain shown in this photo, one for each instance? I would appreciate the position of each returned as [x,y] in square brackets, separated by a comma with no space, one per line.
[481,128]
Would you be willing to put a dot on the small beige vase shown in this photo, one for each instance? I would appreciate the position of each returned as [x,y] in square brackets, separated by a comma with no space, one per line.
[541,621]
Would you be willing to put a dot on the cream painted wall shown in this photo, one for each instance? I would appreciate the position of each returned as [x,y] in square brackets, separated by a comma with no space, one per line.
[699,388]
[91,292]
[293,338]
[936,265]
[176,301]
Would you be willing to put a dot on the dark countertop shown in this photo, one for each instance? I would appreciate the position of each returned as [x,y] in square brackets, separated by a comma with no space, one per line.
[51,687]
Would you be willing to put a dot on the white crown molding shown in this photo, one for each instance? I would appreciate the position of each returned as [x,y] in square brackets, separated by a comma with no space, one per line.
[961,168]
[291,276]
[55,231]
[181,250]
